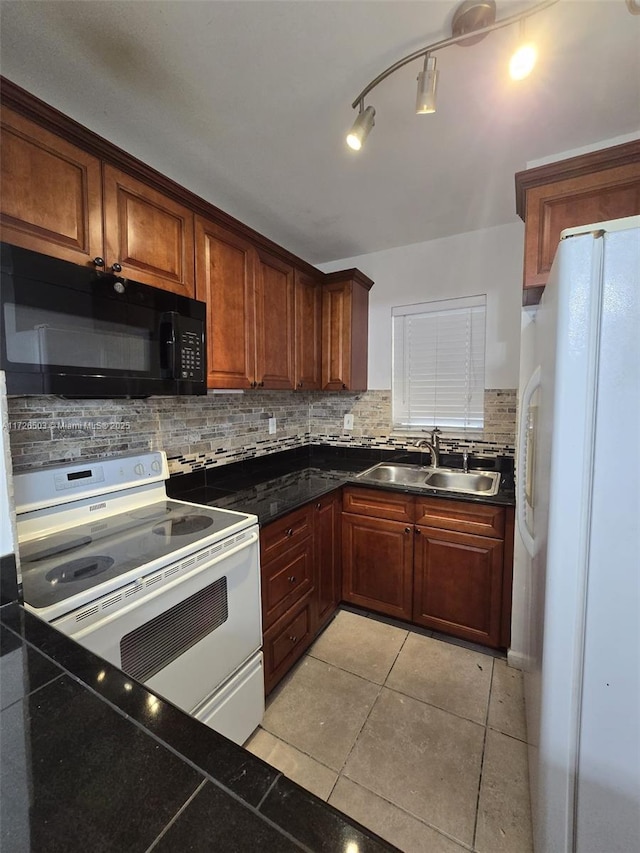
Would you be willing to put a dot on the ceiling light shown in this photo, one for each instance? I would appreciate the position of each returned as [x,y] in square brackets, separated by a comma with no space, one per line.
[522,62]
[361,127]
[473,20]
[427,84]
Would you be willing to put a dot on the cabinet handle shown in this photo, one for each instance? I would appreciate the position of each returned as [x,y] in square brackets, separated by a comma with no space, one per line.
[318,506]
[293,639]
[344,387]
[407,530]
[292,578]
[253,384]
[417,531]
[290,531]
[299,384]
[99,262]
[261,384]
[116,267]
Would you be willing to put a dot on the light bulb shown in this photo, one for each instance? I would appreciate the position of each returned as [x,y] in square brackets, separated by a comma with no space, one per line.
[361,127]
[522,62]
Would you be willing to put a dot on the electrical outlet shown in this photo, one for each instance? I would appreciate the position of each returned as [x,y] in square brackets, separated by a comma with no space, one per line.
[348,421]
[272,426]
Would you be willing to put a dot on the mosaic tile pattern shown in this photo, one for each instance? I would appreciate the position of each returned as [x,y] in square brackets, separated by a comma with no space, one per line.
[218,429]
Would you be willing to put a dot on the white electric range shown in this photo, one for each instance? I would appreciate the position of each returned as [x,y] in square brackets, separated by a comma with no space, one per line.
[167,590]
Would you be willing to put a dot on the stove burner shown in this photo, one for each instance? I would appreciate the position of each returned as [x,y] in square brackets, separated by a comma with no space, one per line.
[78,570]
[183,526]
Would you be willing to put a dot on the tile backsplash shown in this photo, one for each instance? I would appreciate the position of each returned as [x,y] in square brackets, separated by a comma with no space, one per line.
[222,428]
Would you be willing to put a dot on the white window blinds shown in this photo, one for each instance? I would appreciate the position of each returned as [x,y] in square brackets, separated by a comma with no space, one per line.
[438,364]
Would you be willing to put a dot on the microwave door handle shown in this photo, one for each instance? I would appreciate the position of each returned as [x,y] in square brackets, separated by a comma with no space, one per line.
[169,344]
[527,535]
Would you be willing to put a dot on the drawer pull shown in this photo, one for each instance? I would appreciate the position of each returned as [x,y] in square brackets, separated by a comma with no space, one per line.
[292,578]
[290,531]
[293,639]
[318,506]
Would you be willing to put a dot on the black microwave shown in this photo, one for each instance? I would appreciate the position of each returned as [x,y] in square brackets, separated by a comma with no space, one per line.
[69,330]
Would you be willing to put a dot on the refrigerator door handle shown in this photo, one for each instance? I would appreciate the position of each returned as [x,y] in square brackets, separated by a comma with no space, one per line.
[526,534]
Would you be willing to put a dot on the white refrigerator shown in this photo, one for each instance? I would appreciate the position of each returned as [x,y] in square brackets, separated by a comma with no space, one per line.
[578,509]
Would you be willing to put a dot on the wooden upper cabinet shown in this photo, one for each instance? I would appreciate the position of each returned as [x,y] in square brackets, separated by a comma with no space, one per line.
[274,322]
[147,233]
[51,198]
[225,272]
[345,324]
[581,190]
[308,329]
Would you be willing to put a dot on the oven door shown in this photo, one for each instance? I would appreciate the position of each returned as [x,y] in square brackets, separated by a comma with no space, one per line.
[186,637]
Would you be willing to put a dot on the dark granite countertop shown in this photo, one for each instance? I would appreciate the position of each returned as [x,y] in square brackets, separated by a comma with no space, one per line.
[93,761]
[273,486]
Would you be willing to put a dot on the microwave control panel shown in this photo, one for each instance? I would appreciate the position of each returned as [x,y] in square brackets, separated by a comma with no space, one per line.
[190,346]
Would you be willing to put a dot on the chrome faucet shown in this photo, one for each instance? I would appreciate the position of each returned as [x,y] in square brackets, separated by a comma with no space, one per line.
[433,446]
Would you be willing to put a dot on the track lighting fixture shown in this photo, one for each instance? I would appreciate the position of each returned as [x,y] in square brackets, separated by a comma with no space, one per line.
[427,84]
[361,127]
[473,20]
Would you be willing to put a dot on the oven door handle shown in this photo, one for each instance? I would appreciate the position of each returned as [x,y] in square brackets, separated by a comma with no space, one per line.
[207,565]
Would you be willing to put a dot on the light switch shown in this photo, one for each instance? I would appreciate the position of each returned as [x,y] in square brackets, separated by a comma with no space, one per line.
[348,421]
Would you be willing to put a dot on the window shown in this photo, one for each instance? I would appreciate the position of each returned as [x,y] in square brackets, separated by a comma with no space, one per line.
[438,364]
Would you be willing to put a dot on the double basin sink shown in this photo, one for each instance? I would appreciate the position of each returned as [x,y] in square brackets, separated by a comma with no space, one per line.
[484,483]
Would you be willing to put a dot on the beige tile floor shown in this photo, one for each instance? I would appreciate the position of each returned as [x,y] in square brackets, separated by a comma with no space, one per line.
[421,740]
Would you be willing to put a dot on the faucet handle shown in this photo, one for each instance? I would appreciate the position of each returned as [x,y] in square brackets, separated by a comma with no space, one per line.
[435,433]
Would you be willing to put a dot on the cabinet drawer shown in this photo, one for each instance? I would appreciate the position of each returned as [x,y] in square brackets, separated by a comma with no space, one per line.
[391,506]
[286,532]
[464,517]
[285,642]
[286,579]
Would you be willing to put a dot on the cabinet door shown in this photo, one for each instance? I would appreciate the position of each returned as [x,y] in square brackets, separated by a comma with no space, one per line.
[225,269]
[328,558]
[286,641]
[286,580]
[51,193]
[308,331]
[458,584]
[274,322]
[608,194]
[377,564]
[149,234]
[336,336]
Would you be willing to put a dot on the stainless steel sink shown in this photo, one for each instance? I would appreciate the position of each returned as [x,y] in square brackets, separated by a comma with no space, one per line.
[473,482]
[443,479]
[398,474]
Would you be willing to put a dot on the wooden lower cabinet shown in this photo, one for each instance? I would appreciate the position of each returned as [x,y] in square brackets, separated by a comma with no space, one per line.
[286,641]
[327,558]
[458,584]
[377,564]
[301,581]
[447,566]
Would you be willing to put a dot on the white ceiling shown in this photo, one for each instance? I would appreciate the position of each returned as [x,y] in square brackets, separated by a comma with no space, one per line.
[247,103]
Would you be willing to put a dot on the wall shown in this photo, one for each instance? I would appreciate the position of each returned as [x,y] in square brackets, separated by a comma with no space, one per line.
[487,261]
[218,429]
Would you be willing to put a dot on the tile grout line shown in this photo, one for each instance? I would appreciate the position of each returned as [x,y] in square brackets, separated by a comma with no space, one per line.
[484,746]
[168,826]
[373,704]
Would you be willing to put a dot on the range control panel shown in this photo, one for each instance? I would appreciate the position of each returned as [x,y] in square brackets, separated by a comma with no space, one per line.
[55,485]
